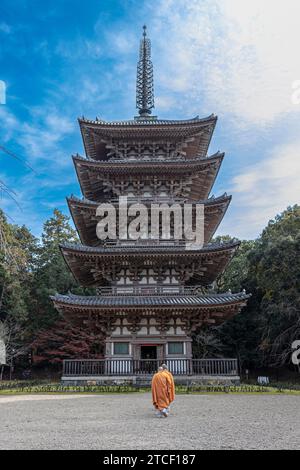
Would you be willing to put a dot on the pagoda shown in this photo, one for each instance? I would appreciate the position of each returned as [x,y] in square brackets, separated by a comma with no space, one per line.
[151,294]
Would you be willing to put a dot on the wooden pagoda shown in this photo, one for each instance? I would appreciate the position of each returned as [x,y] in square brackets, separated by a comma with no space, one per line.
[152,295]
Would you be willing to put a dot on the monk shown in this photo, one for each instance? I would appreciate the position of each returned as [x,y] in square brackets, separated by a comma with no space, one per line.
[172,384]
[161,386]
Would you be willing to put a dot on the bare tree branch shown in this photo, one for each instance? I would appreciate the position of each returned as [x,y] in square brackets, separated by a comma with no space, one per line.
[11,154]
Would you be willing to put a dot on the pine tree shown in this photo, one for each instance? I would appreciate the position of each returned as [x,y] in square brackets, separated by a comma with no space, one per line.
[51,275]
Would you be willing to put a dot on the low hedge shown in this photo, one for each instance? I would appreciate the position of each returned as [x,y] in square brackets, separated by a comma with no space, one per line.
[57,388]
[19,387]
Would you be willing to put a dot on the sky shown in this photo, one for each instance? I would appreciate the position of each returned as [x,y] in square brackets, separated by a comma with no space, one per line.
[238,59]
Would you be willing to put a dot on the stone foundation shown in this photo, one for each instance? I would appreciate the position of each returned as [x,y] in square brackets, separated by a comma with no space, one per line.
[145,380]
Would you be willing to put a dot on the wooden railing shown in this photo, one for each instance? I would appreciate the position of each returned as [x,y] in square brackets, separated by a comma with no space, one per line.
[112,367]
[171,289]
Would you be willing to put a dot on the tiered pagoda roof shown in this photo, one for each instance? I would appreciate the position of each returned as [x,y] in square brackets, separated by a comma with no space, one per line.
[194,133]
[193,179]
[92,266]
[167,301]
[83,212]
[194,310]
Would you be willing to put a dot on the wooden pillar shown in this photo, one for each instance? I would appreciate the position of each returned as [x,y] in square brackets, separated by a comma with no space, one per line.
[161,352]
[136,351]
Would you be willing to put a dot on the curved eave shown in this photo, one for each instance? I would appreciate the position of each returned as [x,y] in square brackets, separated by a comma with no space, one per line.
[220,305]
[142,123]
[145,129]
[202,173]
[140,166]
[83,212]
[92,265]
[88,203]
[123,250]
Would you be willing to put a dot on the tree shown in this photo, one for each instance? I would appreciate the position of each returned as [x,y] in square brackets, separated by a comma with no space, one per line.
[268,268]
[11,339]
[235,276]
[56,230]
[276,265]
[16,269]
[206,343]
[66,341]
[51,274]
[240,335]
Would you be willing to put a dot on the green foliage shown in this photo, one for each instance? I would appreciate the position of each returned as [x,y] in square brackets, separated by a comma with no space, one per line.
[35,387]
[275,265]
[235,276]
[51,273]
[31,271]
[207,344]
[244,388]
[269,268]
[17,251]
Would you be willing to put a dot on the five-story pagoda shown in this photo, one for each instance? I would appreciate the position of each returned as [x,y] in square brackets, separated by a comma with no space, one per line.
[152,293]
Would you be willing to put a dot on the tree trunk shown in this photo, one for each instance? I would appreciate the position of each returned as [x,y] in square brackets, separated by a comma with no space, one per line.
[2,296]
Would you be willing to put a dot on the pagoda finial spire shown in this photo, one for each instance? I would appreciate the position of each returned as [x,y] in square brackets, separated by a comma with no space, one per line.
[144,80]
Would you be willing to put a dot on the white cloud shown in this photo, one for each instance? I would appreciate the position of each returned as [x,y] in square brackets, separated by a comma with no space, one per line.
[233,56]
[41,138]
[39,142]
[9,123]
[121,42]
[163,102]
[79,49]
[264,190]
[118,40]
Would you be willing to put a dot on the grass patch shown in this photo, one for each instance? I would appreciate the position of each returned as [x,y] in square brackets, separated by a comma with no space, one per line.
[57,388]
[233,389]
[9,388]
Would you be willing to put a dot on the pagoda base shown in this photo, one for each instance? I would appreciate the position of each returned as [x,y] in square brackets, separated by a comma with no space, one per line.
[140,372]
[145,380]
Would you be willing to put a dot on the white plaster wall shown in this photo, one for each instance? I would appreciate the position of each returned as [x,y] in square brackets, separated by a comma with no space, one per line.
[179,331]
[153,330]
[143,331]
[116,331]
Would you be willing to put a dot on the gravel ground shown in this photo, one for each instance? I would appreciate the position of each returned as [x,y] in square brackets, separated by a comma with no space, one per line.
[128,422]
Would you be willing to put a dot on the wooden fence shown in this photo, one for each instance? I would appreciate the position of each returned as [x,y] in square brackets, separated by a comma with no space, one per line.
[112,367]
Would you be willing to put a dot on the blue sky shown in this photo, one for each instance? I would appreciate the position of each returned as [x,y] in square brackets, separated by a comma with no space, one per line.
[64,59]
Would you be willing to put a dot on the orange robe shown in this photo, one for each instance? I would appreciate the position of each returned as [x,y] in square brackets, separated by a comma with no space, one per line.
[160,390]
[169,376]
